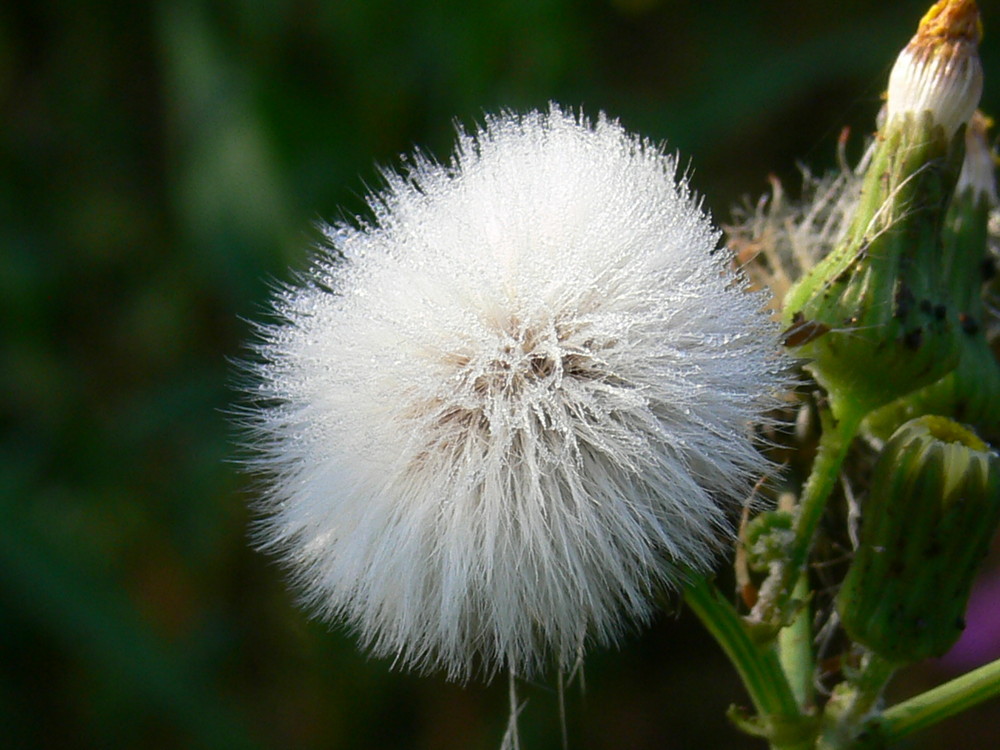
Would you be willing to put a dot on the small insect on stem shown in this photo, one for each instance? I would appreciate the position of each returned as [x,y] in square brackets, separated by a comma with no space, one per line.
[803,331]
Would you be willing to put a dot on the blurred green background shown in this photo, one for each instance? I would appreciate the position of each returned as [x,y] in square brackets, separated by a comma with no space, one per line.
[162,164]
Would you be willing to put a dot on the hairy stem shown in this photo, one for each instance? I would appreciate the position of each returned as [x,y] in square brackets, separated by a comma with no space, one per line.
[772,607]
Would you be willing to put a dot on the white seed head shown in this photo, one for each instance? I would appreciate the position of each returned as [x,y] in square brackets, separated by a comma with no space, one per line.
[939,70]
[498,420]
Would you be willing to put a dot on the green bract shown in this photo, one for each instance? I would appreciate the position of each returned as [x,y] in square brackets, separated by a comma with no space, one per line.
[875,316]
[931,513]
[971,392]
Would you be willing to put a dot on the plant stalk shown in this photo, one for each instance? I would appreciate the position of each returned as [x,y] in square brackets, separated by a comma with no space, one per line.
[771,609]
[940,703]
[779,718]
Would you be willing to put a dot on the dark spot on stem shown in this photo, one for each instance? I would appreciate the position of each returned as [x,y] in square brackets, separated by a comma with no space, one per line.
[902,300]
[913,339]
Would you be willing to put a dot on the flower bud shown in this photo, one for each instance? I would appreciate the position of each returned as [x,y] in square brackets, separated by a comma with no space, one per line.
[971,392]
[939,70]
[768,538]
[977,183]
[931,513]
[875,316]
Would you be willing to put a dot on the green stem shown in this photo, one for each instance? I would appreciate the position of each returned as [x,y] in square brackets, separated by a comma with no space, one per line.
[795,650]
[758,667]
[940,703]
[775,594]
[874,676]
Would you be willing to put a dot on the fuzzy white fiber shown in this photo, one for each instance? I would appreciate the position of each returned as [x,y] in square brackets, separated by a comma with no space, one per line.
[497,421]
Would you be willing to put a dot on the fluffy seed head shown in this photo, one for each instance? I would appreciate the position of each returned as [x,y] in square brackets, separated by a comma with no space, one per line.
[497,419]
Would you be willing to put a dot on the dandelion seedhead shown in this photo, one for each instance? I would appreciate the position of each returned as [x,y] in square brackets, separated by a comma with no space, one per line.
[495,422]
